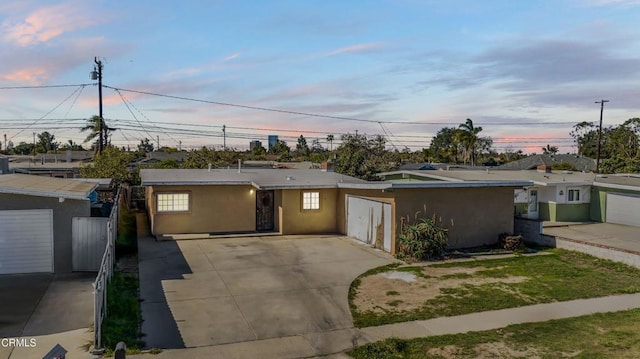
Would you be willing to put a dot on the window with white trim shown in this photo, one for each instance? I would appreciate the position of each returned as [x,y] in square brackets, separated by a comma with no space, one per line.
[310,200]
[172,202]
[573,195]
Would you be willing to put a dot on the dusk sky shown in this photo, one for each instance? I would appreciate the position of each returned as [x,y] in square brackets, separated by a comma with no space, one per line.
[525,71]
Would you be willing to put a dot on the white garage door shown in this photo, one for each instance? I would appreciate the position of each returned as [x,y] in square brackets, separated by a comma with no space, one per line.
[26,241]
[369,221]
[623,209]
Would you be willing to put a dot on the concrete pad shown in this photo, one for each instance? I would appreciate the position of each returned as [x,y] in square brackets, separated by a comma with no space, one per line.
[406,330]
[195,286]
[280,314]
[265,280]
[249,288]
[67,305]
[338,273]
[210,321]
[199,262]
[19,296]
[76,342]
[158,326]
[336,341]
[602,234]
[279,348]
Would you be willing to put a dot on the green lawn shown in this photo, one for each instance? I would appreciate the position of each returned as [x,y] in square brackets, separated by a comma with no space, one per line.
[608,335]
[559,276]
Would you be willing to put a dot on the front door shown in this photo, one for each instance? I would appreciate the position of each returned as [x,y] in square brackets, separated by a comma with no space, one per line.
[532,207]
[264,210]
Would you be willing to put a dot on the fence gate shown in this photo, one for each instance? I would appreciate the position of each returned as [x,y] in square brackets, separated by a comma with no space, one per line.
[89,240]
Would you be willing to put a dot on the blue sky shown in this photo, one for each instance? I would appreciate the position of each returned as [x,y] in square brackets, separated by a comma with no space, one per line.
[523,70]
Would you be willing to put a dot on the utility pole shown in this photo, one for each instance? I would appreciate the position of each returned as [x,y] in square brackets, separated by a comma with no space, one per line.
[96,74]
[34,143]
[180,145]
[158,141]
[224,137]
[601,102]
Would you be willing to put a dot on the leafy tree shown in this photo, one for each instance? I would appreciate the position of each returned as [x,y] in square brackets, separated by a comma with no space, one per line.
[71,145]
[362,157]
[280,149]
[259,151]
[549,150]
[203,157]
[302,148]
[111,163]
[46,142]
[563,166]
[585,135]
[23,148]
[444,146]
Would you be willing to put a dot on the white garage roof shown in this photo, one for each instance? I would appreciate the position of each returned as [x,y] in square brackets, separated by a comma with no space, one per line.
[45,186]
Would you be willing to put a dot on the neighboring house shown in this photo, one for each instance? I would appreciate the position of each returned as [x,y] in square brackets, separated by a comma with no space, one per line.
[204,202]
[580,163]
[60,165]
[36,215]
[562,196]
[616,199]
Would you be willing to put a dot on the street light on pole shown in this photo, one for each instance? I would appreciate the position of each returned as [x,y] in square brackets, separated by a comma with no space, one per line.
[601,102]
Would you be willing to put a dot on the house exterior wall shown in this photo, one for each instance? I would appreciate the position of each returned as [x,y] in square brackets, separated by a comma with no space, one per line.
[211,209]
[295,220]
[598,203]
[63,212]
[474,216]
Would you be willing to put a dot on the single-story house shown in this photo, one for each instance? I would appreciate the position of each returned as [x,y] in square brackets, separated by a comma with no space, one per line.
[287,201]
[36,215]
[616,199]
[555,195]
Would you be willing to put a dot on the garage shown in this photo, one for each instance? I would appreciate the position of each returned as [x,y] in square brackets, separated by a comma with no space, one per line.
[623,209]
[26,241]
[369,221]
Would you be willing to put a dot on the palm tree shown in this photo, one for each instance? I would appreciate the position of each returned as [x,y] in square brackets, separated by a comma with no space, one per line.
[549,150]
[93,125]
[468,137]
[330,139]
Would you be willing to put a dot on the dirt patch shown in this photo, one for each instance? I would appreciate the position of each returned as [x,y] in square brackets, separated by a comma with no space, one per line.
[447,352]
[413,290]
[501,350]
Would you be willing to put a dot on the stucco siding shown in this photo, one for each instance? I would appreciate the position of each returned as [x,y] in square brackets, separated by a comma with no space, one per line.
[572,212]
[63,212]
[295,220]
[474,216]
[212,209]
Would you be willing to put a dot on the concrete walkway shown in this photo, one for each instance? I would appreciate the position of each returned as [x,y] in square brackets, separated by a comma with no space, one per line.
[333,343]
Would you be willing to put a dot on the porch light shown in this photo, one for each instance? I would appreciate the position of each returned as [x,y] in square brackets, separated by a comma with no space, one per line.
[251,191]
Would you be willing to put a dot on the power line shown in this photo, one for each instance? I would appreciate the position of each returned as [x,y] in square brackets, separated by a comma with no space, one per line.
[309,114]
[41,86]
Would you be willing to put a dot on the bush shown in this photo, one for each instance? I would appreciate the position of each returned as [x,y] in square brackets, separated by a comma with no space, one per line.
[425,239]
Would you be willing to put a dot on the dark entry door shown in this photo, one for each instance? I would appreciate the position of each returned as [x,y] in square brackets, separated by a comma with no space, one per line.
[264,210]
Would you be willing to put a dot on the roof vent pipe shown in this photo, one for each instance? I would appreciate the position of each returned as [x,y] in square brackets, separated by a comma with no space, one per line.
[209,167]
[239,166]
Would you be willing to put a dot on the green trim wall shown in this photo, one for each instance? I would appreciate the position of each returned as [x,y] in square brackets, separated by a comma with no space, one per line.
[598,208]
[572,212]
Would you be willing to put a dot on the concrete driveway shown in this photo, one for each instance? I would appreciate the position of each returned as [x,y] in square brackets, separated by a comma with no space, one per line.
[617,236]
[213,291]
[50,309]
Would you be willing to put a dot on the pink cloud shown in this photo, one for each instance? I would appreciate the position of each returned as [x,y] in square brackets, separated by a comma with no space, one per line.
[357,49]
[31,75]
[49,22]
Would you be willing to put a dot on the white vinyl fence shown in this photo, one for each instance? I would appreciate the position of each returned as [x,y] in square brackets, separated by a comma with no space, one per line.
[104,274]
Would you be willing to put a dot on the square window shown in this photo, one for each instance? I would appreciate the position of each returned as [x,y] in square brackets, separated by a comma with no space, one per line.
[573,195]
[172,202]
[310,200]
